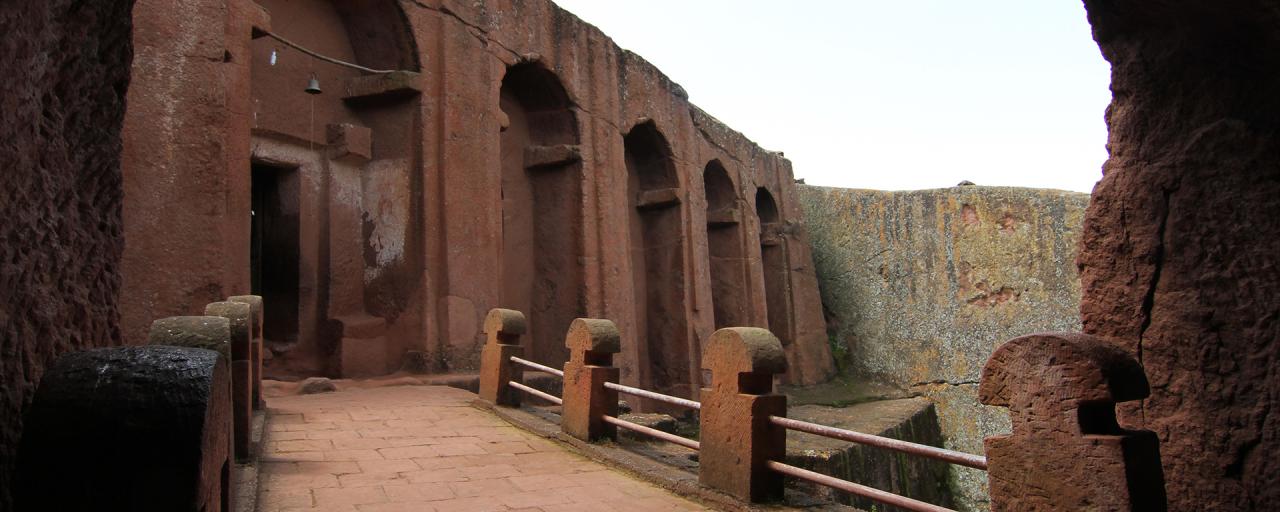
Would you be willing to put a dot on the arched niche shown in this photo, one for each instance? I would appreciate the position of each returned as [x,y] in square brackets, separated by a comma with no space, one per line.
[773,262]
[379,34]
[657,262]
[541,216]
[766,207]
[725,261]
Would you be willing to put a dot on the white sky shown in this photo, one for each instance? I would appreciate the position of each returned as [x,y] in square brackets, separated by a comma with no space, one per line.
[888,94]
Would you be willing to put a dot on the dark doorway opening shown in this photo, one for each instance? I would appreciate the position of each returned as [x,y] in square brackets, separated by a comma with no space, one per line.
[273,253]
[773,256]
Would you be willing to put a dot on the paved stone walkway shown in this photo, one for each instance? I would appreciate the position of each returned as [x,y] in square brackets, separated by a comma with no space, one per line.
[424,449]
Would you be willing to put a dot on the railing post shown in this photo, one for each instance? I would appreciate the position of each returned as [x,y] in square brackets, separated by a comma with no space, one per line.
[238,314]
[592,343]
[206,332]
[738,440]
[256,315]
[503,328]
[1067,452]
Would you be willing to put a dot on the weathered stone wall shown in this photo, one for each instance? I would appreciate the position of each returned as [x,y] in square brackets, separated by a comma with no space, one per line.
[65,66]
[920,287]
[613,93]
[1179,249]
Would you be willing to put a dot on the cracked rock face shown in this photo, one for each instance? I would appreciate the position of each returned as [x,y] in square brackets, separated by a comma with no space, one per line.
[1178,254]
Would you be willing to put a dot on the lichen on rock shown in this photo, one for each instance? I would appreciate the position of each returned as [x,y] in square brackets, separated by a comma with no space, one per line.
[920,287]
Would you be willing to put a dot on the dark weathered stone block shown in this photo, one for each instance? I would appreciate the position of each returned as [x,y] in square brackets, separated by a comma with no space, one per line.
[129,428]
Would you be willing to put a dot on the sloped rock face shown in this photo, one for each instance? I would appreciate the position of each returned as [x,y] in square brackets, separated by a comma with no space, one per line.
[1179,251]
[65,66]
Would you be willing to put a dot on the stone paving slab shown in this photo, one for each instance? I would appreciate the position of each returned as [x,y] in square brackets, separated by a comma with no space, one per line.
[425,449]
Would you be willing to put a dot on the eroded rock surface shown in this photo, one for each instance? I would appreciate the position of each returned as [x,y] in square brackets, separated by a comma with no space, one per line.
[65,66]
[1178,253]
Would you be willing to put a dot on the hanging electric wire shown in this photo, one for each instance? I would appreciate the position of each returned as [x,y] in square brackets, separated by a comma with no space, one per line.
[330,60]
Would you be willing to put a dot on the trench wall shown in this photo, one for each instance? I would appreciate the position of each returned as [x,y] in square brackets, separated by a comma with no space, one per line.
[920,287]
[1178,255]
[65,66]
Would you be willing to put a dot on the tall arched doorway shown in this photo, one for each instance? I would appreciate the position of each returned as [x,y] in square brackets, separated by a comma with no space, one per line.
[541,198]
[773,260]
[657,262]
[730,304]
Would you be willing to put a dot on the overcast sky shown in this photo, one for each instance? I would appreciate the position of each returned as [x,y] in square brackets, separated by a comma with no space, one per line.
[888,94]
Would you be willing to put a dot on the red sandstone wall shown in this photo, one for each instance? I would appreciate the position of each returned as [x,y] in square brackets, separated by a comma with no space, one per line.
[431,217]
[65,66]
[185,163]
[615,90]
[1179,251]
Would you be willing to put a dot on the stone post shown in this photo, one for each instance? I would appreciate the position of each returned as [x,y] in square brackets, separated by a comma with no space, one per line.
[592,343]
[256,312]
[503,328]
[241,321]
[207,332]
[1067,452]
[737,437]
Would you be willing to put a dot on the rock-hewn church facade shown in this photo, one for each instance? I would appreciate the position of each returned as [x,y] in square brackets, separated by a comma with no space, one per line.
[489,155]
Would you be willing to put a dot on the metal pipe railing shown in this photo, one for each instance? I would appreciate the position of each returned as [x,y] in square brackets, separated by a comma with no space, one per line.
[536,366]
[746,407]
[548,397]
[888,498]
[932,452]
[653,396]
[870,493]
[635,427]
[670,438]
